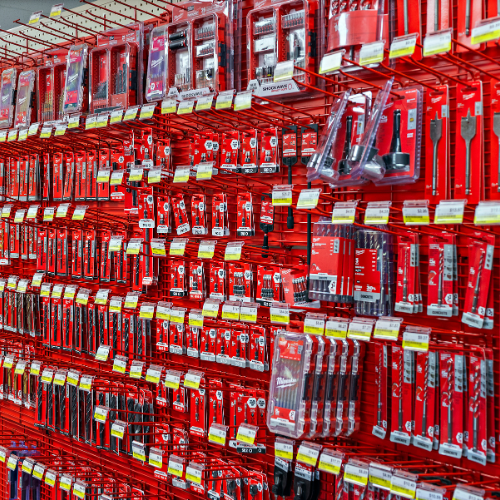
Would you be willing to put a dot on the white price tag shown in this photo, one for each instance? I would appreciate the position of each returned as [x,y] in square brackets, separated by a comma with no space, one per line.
[386,329]
[283,71]
[314,326]
[280,315]
[217,435]
[374,215]
[371,53]
[416,215]
[308,198]
[328,463]
[331,62]
[192,381]
[437,43]
[449,213]
[356,475]
[343,215]
[282,197]
[486,31]
[307,455]
[248,314]
[402,46]
[359,331]
[117,430]
[246,434]
[416,341]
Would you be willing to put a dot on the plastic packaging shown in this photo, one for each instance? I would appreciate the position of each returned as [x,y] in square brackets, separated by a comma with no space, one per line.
[282,36]
[290,393]
[332,262]
[75,79]
[364,161]
[322,163]
[24,100]
[372,276]
[9,81]
[156,82]
[400,136]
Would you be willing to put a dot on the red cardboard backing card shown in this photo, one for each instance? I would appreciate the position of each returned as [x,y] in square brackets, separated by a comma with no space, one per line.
[437,126]
[468,14]
[444,18]
[469,169]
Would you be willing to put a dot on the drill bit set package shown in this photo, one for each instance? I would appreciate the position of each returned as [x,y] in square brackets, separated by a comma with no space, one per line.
[116,69]
[469,152]
[478,309]
[351,267]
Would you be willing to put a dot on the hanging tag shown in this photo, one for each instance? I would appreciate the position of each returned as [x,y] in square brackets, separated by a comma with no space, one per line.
[308,198]
[371,53]
[331,62]
[437,42]
[416,341]
[185,107]
[116,116]
[387,328]
[224,100]
[403,46]
[242,101]
[131,113]
[181,174]
[168,106]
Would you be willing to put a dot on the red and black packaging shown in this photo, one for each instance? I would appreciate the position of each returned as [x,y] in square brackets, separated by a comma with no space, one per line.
[178,278]
[198,411]
[164,212]
[197,281]
[199,223]
[469,151]
[58,177]
[89,254]
[181,219]
[229,152]
[269,287]
[220,218]
[217,281]
[240,281]
[62,252]
[208,343]
[105,255]
[452,385]
[104,163]
[244,221]
[91,174]
[427,371]
[294,283]
[268,151]
[46,191]
[437,145]
[248,160]
[479,279]
[69,179]
[80,176]
[77,253]
[52,251]
[402,395]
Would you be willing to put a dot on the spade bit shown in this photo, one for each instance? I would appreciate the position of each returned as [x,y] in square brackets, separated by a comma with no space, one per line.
[468,132]
[496,130]
[436,131]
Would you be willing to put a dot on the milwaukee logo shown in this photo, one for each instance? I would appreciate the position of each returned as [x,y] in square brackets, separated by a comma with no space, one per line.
[157,62]
[282,382]
[72,78]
